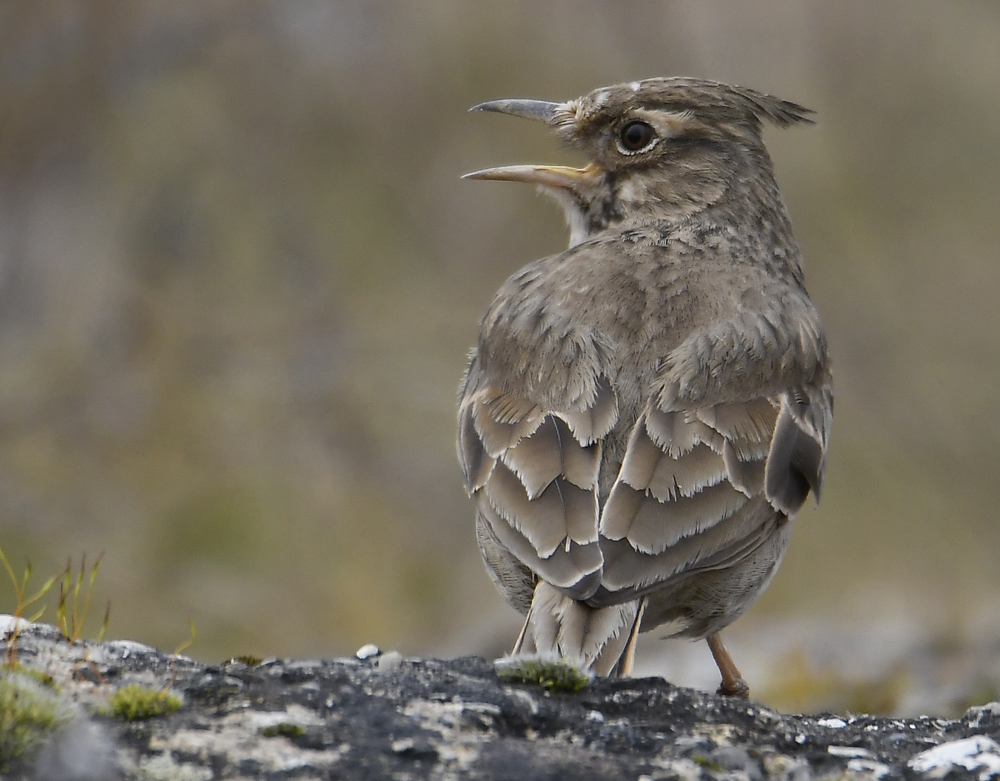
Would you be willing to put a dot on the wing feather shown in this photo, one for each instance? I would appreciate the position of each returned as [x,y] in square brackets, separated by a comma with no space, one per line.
[536,459]
[501,421]
[691,490]
[594,420]
[534,473]
[576,570]
[629,572]
[796,461]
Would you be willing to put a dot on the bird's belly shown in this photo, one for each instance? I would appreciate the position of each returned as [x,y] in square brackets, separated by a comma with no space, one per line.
[703,603]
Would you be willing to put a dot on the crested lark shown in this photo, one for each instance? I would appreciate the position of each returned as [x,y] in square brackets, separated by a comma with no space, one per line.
[645,412]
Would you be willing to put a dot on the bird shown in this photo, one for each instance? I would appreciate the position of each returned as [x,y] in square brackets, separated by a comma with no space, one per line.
[644,413]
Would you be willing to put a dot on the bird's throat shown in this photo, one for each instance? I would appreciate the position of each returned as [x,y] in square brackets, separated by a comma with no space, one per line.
[576,213]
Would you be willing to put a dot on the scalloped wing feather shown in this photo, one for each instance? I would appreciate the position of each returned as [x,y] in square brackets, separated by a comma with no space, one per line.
[534,474]
[691,488]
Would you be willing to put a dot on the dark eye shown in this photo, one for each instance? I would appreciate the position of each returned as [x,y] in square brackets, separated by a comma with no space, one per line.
[635,136]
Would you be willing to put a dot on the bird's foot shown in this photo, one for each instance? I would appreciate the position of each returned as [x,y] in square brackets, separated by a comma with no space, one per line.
[733,684]
[735,687]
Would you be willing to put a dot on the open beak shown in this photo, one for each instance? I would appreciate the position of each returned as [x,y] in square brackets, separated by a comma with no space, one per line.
[529,109]
[559,176]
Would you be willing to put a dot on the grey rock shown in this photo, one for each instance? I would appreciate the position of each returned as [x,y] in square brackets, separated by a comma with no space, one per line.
[454,719]
[80,751]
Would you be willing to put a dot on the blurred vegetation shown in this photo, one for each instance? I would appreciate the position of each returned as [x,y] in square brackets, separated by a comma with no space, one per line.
[239,276]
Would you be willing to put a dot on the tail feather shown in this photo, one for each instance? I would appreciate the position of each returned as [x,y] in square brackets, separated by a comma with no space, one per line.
[592,638]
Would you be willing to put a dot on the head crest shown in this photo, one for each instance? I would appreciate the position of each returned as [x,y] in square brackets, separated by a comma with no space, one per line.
[707,100]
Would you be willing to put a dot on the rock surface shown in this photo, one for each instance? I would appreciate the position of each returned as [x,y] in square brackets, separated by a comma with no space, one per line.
[385,717]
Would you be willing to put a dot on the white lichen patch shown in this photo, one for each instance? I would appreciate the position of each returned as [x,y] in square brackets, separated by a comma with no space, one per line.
[719,734]
[975,753]
[163,767]
[123,649]
[975,715]
[683,768]
[460,726]
[237,736]
[446,717]
[867,769]
[848,751]
[293,714]
[784,766]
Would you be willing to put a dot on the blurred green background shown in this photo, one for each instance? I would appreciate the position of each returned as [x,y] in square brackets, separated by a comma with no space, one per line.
[239,276]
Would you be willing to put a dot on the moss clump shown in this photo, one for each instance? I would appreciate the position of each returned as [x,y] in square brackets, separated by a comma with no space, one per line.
[705,762]
[29,713]
[137,702]
[41,677]
[556,675]
[248,659]
[283,730]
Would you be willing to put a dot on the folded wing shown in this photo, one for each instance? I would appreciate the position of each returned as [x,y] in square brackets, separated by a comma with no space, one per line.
[701,488]
[534,473]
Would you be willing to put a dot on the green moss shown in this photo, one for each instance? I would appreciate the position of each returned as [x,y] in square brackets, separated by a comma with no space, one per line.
[283,730]
[247,659]
[559,675]
[137,702]
[705,762]
[29,713]
[41,677]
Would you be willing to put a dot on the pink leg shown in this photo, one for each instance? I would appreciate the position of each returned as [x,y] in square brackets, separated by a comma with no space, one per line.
[733,684]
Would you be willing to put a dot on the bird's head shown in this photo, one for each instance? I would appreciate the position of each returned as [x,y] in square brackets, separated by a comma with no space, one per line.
[659,149]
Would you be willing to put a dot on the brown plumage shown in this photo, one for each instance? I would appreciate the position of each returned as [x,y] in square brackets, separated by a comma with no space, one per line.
[645,412]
